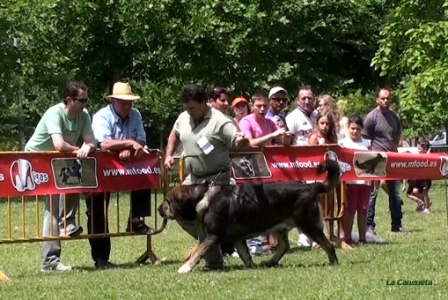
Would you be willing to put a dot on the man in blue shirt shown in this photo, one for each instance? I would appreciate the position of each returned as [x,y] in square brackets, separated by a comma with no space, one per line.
[118,127]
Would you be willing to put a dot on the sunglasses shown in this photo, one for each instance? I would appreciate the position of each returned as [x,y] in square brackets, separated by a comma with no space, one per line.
[81,100]
[277,99]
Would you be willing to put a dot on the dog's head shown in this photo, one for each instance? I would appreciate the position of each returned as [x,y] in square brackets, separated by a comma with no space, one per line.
[180,202]
[379,157]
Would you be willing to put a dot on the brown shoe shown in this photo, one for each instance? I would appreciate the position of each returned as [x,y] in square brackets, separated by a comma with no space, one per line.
[139,227]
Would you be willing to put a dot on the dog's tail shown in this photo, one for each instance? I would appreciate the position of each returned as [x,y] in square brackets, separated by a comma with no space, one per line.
[332,167]
[62,171]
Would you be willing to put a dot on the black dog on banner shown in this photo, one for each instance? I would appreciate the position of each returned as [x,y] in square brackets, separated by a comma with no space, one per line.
[233,213]
[370,165]
[73,171]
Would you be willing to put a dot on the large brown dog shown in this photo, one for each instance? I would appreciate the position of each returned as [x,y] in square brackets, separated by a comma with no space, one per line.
[235,213]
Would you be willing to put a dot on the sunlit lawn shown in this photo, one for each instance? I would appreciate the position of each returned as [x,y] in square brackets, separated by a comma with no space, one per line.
[362,273]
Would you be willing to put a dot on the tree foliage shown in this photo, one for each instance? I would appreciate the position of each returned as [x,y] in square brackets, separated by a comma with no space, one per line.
[161,45]
[413,54]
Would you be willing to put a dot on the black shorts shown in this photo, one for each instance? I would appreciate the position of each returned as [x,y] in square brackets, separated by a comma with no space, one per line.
[421,185]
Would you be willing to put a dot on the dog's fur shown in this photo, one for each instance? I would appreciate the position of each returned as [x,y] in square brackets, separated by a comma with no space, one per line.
[369,165]
[235,213]
[73,171]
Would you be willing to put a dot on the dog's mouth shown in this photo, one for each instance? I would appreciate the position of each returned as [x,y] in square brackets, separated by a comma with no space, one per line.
[165,213]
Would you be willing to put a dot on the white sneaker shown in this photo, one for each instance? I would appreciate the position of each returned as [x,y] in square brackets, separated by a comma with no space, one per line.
[59,267]
[303,241]
[257,250]
[73,230]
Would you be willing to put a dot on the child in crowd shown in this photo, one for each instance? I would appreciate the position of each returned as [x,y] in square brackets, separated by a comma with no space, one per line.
[358,191]
[418,190]
[325,130]
[324,133]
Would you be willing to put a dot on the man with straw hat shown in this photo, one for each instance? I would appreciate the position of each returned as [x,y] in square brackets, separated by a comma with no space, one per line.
[118,127]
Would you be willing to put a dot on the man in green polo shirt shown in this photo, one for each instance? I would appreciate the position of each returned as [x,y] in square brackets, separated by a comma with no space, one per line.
[59,129]
[207,136]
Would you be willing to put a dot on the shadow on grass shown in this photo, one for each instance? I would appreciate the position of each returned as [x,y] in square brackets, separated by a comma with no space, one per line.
[130,265]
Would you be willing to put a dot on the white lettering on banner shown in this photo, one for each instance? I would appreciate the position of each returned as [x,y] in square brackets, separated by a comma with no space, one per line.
[414,164]
[295,165]
[2,177]
[132,171]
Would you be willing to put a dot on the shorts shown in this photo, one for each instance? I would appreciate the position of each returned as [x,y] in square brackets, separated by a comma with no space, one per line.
[421,185]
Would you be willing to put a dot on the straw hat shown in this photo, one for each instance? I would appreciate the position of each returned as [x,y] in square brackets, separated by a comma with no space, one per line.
[123,91]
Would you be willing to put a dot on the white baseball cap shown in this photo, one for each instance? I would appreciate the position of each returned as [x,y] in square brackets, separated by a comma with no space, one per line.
[275,90]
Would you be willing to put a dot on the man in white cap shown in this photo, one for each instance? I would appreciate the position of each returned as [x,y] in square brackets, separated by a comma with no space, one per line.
[117,127]
[278,97]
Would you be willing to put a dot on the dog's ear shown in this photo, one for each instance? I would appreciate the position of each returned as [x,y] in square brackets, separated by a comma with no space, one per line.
[179,194]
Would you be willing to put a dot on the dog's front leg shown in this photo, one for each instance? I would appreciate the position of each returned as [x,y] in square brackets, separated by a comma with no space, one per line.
[282,247]
[198,253]
[243,252]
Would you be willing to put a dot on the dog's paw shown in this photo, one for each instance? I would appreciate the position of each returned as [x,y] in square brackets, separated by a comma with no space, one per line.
[184,269]
[250,265]
[270,264]
[332,263]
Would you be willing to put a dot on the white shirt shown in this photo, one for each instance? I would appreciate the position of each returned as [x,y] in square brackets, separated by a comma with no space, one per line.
[301,126]
[364,144]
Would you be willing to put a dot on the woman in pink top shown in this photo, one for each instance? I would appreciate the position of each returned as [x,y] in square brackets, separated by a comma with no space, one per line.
[259,129]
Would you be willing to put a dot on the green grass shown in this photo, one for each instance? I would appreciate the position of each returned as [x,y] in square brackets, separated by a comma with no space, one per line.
[362,273]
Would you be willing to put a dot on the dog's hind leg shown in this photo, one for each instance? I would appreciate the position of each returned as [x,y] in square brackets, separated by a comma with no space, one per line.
[243,252]
[328,246]
[312,225]
[282,247]
[209,241]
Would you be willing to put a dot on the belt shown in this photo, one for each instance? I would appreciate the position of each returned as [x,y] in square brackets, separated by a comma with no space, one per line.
[210,174]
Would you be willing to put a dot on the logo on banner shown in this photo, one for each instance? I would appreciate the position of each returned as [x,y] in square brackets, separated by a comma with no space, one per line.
[331,155]
[370,164]
[73,172]
[250,165]
[444,165]
[23,177]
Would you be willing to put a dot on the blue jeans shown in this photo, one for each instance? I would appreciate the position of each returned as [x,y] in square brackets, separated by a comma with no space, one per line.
[394,205]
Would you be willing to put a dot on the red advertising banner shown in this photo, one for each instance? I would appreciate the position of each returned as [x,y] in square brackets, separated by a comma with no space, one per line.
[53,173]
[300,163]
[32,174]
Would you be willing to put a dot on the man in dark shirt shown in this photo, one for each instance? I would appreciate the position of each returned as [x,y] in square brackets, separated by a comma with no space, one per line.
[383,127]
